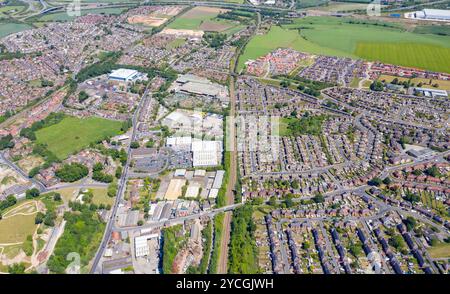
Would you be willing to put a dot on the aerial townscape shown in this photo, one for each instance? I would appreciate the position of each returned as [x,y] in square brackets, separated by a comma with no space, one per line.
[224,137]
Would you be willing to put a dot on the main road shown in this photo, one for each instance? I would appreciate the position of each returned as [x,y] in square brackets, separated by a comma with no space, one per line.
[120,190]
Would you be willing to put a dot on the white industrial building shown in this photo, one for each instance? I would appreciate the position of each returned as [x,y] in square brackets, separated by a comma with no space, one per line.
[141,244]
[430,14]
[206,153]
[434,93]
[125,75]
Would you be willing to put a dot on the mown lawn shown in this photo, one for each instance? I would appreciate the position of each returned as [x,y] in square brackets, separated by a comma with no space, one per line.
[73,134]
[101,196]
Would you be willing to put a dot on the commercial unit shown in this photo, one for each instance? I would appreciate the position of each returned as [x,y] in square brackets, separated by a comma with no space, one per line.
[206,153]
[430,14]
[434,93]
[125,75]
[141,244]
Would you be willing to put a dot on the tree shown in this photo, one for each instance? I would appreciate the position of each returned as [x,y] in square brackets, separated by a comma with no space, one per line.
[6,142]
[34,171]
[82,96]
[375,182]
[72,172]
[97,167]
[288,201]
[273,201]
[32,193]
[387,181]
[410,223]
[118,172]
[16,268]
[140,222]
[433,172]
[355,249]
[411,197]
[318,198]
[134,145]
[57,197]
[49,219]
[39,218]
[397,242]
[377,86]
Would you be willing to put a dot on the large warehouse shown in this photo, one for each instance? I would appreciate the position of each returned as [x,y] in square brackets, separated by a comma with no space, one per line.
[430,14]
[125,75]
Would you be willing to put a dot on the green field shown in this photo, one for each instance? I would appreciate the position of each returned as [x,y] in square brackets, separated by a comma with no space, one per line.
[338,37]
[5,11]
[101,196]
[204,18]
[193,18]
[11,28]
[63,16]
[440,251]
[73,134]
[17,223]
[176,43]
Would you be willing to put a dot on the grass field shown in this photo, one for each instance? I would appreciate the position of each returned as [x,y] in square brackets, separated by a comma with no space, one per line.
[73,134]
[5,11]
[63,16]
[101,196]
[11,28]
[193,18]
[176,43]
[17,223]
[440,251]
[443,85]
[408,54]
[203,18]
[280,37]
[337,37]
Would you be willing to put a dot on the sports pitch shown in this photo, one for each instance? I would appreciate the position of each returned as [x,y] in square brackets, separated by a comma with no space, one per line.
[73,134]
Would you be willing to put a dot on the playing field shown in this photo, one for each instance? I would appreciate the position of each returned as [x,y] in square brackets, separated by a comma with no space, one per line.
[338,37]
[194,18]
[73,134]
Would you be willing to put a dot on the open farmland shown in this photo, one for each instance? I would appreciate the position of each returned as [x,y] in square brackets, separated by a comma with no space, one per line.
[407,54]
[73,134]
[338,37]
[10,28]
[281,37]
[63,16]
[442,84]
[195,18]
